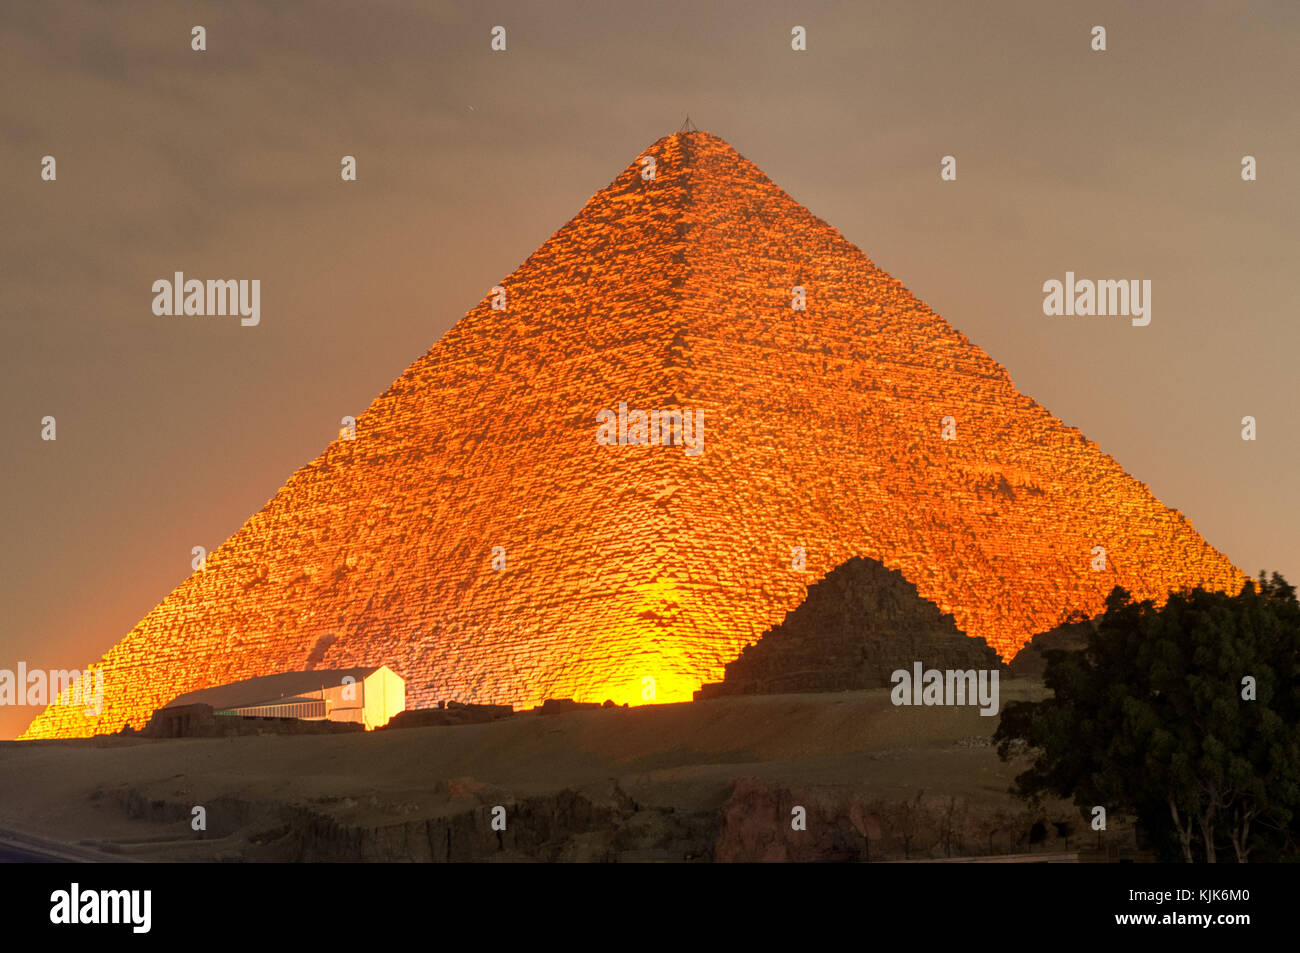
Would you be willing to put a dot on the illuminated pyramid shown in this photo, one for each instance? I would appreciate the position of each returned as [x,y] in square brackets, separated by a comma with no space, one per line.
[637,569]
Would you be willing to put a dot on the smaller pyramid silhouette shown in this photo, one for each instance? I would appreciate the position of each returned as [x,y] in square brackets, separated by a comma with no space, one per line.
[860,623]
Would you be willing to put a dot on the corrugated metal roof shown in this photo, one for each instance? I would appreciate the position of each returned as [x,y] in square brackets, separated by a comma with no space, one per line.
[287,708]
[269,689]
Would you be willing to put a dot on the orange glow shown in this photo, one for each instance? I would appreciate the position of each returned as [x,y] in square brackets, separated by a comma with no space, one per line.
[627,562]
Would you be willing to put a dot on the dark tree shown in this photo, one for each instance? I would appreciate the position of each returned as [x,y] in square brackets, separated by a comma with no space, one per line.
[1156,718]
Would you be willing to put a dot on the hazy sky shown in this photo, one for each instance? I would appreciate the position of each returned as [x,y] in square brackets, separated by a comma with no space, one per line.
[225,163]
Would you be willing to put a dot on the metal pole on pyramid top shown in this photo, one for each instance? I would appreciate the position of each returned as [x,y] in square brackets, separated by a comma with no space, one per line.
[688,126]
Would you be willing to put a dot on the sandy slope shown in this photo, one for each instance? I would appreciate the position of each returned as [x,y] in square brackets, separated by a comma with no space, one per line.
[685,757]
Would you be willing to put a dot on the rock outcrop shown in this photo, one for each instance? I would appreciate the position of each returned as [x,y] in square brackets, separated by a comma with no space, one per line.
[449,713]
[1031,662]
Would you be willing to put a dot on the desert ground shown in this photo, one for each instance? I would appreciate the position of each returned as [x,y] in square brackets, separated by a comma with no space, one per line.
[709,780]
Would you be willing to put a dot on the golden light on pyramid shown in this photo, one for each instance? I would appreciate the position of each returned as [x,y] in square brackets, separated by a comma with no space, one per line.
[822,430]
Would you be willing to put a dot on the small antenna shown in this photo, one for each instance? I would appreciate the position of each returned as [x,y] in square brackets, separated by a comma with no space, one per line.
[688,126]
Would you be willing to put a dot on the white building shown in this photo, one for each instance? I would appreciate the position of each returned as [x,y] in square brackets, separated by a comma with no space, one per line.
[368,696]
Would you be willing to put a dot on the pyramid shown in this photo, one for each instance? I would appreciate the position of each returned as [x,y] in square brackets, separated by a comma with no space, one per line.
[635,573]
[859,625]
